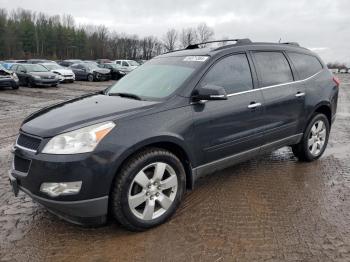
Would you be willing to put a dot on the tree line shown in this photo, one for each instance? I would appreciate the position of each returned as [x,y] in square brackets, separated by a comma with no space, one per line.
[26,34]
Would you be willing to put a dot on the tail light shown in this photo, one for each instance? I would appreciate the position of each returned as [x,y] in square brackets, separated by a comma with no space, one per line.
[336,81]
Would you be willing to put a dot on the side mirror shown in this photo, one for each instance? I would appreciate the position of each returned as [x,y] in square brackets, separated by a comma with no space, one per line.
[209,92]
[23,71]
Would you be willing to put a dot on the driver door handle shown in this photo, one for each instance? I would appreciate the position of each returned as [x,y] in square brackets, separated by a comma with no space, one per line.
[254,105]
[300,94]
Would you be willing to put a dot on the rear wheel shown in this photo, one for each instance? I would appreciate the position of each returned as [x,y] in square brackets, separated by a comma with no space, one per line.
[148,190]
[14,86]
[315,139]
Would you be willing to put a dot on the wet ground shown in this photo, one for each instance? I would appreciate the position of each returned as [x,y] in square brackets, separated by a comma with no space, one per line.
[273,208]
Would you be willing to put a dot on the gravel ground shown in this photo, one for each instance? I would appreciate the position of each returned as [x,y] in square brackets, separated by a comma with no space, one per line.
[272,208]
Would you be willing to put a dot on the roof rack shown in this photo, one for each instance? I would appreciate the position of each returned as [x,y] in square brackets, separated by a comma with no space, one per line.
[238,41]
[291,43]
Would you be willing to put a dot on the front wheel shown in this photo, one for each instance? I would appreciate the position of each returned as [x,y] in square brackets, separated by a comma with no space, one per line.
[90,78]
[315,139]
[148,190]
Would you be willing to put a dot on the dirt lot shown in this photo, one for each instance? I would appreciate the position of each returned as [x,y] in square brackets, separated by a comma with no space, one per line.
[268,209]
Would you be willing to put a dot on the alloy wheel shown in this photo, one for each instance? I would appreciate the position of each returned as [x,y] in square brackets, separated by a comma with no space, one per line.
[317,138]
[152,191]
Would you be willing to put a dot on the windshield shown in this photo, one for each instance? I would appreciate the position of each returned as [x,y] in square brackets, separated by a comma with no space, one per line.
[156,79]
[133,63]
[92,66]
[114,66]
[35,68]
[52,66]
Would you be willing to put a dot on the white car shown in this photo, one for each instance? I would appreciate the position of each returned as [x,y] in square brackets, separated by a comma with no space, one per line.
[64,74]
[127,65]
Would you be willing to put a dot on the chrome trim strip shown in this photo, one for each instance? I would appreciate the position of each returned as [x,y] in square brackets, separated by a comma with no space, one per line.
[24,148]
[267,87]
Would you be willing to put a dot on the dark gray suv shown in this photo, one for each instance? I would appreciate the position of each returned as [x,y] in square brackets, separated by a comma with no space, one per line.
[133,150]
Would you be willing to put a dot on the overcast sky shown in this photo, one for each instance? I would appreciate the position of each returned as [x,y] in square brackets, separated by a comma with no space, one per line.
[322,25]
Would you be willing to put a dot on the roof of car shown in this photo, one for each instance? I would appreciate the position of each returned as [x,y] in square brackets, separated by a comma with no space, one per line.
[196,50]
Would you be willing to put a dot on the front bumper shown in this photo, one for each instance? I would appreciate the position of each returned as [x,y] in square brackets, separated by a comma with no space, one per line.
[8,82]
[90,212]
[64,79]
[45,82]
[88,207]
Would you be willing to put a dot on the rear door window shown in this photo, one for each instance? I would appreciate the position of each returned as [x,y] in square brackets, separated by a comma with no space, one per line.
[232,73]
[273,68]
[306,65]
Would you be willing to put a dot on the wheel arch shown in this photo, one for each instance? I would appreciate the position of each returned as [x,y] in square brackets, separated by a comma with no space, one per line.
[173,144]
[323,108]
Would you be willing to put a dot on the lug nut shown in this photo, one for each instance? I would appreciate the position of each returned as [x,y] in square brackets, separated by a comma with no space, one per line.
[151,197]
[159,187]
[157,194]
[147,193]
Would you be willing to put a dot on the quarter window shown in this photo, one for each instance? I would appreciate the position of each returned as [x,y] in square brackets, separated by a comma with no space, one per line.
[306,65]
[232,73]
[273,67]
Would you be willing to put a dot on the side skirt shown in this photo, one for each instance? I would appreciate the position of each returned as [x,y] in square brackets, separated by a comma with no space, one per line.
[223,163]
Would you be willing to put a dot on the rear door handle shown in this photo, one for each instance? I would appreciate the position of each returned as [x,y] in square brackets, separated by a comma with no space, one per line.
[300,94]
[254,105]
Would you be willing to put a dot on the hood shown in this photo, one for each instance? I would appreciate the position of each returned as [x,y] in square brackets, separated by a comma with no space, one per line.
[81,112]
[62,71]
[101,70]
[4,73]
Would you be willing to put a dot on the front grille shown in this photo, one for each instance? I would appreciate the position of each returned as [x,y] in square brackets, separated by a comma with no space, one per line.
[28,142]
[21,164]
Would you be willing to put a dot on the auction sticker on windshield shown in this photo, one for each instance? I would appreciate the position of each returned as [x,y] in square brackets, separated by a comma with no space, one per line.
[195,58]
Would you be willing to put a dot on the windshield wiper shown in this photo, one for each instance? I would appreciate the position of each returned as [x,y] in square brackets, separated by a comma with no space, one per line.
[128,95]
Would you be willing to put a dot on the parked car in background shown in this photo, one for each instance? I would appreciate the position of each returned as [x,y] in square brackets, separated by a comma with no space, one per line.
[90,62]
[69,62]
[103,61]
[343,71]
[65,74]
[116,73]
[8,78]
[39,61]
[127,65]
[334,70]
[33,75]
[8,63]
[90,72]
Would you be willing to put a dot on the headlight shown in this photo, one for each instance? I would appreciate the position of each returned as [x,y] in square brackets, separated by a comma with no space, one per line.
[78,141]
[15,77]
[36,77]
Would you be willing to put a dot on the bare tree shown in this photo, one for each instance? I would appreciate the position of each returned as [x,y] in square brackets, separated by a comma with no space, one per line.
[204,33]
[169,40]
[188,36]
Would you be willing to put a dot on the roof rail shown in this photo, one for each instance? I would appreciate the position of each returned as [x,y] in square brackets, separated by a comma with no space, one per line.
[291,43]
[238,41]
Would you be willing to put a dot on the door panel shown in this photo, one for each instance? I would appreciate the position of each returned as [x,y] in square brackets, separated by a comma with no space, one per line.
[227,127]
[283,98]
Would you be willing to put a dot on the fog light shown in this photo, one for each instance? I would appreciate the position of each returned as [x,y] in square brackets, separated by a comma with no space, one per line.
[58,189]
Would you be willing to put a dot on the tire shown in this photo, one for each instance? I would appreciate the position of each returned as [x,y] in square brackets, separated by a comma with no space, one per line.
[30,84]
[309,152]
[55,85]
[125,187]
[90,78]
[14,87]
